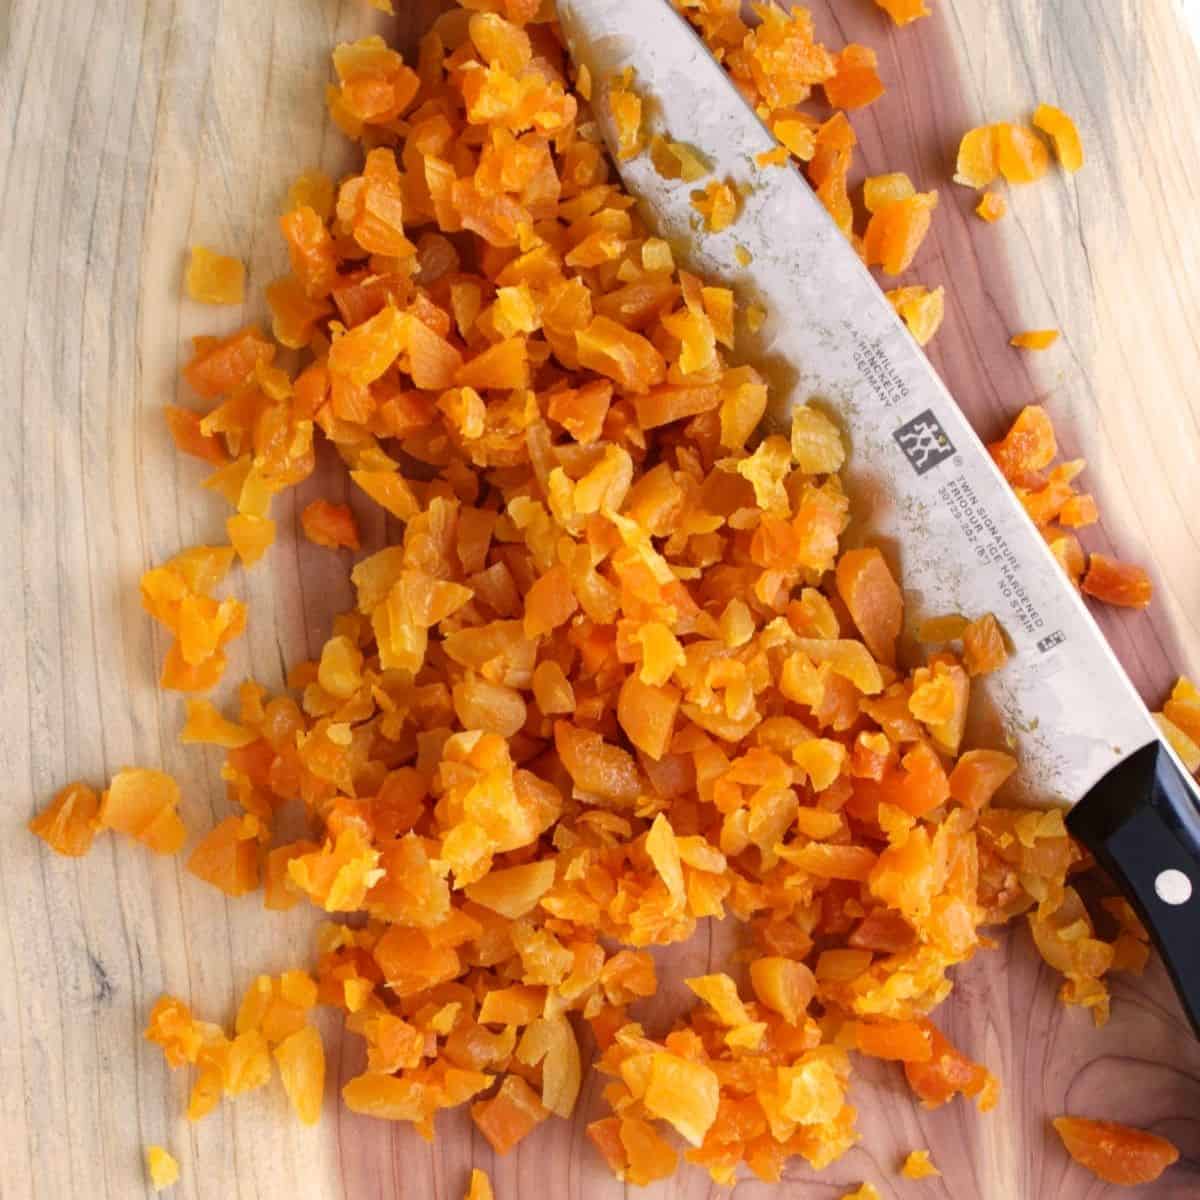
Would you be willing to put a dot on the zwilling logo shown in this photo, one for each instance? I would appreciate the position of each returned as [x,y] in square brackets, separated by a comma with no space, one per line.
[924,442]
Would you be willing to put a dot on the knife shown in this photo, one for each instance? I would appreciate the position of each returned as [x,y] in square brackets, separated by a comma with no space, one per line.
[919,478]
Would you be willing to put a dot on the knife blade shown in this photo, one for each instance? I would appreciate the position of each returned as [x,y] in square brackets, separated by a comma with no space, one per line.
[922,484]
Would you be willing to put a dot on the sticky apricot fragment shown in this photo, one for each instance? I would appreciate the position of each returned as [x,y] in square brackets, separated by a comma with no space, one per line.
[1034,339]
[70,821]
[1063,133]
[142,803]
[214,278]
[1118,1154]
[1119,583]
[162,1168]
[903,12]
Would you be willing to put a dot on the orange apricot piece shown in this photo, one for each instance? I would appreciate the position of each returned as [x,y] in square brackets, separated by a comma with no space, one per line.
[1063,133]
[1119,583]
[1118,1154]
[142,803]
[330,525]
[856,83]
[870,592]
[510,1115]
[920,309]
[904,11]
[1034,339]
[895,233]
[215,278]
[69,822]
[991,207]
[1021,155]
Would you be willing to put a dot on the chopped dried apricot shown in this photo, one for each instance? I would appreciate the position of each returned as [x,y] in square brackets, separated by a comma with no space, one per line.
[1116,1153]
[1119,583]
[301,1060]
[991,207]
[227,857]
[896,231]
[921,310]
[480,1187]
[142,803]
[215,278]
[1034,339]
[977,165]
[984,647]
[70,821]
[1063,133]
[1021,155]
[918,1165]
[510,1115]
[903,11]
[330,525]
[625,106]
[161,1167]
[718,204]
[857,81]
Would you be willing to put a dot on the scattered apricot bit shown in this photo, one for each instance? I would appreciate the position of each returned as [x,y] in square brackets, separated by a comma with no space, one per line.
[162,1168]
[947,1073]
[1182,709]
[1063,133]
[718,204]
[778,156]
[1034,339]
[250,536]
[480,1187]
[867,1191]
[227,857]
[872,596]
[918,1165]
[330,525]
[1021,155]
[142,803]
[1119,583]
[215,278]
[678,160]
[70,821]
[882,190]
[1116,1153]
[510,1115]
[625,105]
[984,647]
[903,11]
[921,310]
[301,1060]
[857,81]
[976,165]
[189,438]
[895,233]
[991,207]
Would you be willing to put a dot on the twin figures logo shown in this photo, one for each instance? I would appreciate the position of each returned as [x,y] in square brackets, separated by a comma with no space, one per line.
[924,442]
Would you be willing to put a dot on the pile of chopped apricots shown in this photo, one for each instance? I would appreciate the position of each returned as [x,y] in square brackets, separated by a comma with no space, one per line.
[617,674]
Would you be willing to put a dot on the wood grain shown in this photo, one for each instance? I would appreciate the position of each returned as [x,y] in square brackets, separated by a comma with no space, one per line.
[131,129]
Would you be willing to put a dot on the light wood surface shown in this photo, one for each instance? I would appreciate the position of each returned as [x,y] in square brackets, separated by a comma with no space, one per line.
[130,130]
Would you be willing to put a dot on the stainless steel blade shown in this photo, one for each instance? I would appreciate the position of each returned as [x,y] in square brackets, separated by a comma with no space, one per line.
[921,481]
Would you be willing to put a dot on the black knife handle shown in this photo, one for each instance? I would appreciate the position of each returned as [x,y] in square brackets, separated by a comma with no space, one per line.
[1142,824]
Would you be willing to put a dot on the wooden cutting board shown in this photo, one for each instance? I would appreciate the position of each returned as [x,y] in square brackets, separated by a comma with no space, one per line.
[131,130]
